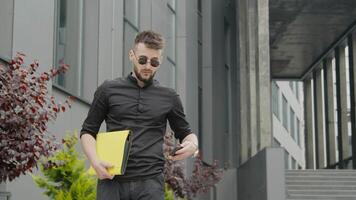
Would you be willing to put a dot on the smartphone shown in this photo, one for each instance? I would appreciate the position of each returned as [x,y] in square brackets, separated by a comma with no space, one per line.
[173,153]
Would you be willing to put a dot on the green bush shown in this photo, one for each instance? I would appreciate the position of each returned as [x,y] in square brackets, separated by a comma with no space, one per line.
[168,193]
[65,176]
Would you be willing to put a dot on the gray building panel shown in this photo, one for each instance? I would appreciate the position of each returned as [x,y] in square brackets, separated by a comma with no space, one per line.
[262,177]
[6,16]
[90,48]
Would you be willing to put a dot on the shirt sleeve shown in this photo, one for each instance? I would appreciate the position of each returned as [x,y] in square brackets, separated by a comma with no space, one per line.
[177,120]
[97,113]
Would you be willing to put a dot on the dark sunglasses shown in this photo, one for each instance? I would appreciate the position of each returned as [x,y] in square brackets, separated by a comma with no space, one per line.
[142,60]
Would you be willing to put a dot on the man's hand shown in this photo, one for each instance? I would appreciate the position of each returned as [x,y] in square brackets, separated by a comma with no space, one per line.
[188,150]
[101,169]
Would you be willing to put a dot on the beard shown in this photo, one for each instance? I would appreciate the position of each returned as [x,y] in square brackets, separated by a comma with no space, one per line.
[141,78]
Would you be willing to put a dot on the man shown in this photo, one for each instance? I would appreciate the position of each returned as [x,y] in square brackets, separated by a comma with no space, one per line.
[140,104]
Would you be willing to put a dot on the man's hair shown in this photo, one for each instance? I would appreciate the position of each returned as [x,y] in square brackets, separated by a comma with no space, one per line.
[151,40]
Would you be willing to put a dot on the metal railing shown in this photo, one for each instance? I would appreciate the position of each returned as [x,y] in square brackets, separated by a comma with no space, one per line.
[342,164]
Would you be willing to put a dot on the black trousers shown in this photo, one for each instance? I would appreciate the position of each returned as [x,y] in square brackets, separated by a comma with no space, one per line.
[147,189]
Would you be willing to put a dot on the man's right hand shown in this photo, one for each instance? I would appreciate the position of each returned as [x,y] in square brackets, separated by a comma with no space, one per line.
[101,168]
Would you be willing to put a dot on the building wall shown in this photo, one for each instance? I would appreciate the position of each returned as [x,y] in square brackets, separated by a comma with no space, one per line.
[6,16]
[33,34]
[202,62]
[219,133]
[94,38]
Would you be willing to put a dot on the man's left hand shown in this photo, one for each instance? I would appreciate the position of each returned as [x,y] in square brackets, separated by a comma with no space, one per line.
[189,148]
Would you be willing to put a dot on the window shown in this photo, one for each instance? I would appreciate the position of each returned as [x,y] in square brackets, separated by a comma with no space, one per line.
[285,112]
[292,124]
[167,73]
[131,28]
[275,99]
[129,37]
[68,47]
[131,12]
[171,37]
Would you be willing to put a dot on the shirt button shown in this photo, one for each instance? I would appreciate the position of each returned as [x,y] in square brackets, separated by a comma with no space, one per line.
[140,108]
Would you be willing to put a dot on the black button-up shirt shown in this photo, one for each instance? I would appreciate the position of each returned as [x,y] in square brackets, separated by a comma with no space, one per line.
[123,104]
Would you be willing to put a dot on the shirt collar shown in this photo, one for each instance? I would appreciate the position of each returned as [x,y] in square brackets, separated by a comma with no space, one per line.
[134,80]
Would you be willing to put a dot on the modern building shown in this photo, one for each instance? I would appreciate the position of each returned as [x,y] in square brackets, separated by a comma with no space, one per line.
[223,58]
[288,121]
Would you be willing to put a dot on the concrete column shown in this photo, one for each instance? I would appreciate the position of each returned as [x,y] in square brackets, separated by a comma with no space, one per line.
[251,75]
[255,104]
[342,102]
[187,58]
[242,54]
[330,119]
[207,111]
[264,80]
[308,115]
[319,113]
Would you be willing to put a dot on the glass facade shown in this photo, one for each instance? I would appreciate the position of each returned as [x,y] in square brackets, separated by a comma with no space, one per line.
[68,46]
[78,50]
[285,107]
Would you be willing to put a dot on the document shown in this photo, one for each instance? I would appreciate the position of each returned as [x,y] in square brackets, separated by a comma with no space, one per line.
[114,148]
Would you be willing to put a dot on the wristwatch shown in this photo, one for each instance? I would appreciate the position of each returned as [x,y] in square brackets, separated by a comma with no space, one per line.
[195,154]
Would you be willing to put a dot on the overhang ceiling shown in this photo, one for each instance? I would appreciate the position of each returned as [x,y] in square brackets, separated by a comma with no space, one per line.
[301,31]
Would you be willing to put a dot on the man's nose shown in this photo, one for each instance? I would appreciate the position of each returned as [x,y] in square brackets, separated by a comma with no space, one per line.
[148,65]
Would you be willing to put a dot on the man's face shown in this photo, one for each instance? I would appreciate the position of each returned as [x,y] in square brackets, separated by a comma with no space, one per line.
[146,62]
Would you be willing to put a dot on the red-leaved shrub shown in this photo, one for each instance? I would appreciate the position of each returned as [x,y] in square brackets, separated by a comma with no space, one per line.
[204,176]
[25,109]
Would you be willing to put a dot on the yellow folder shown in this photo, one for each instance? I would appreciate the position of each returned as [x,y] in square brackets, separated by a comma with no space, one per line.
[113,147]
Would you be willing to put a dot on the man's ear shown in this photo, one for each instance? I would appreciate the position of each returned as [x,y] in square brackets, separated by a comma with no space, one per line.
[131,55]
